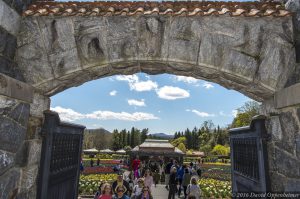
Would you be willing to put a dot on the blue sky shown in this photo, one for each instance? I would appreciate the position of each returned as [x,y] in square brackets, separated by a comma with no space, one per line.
[163,103]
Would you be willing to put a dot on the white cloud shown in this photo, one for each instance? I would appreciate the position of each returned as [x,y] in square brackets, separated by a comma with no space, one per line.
[172,93]
[189,80]
[70,115]
[67,114]
[96,126]
[109,115]
[207,85]
[234,113]
[133,102]
[201,114]
[113,93]
[222,113]
[136,84]
[143,86]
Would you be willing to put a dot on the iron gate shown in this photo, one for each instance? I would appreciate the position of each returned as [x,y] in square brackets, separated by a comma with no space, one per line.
[249,160]
[60,159]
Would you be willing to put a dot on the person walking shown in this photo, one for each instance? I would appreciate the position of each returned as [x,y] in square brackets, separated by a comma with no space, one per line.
[92,162]
[172,183]
[148,179]
[135,166]
[156,177]
[186,181]
[167,173]
[180,173]
[193,189]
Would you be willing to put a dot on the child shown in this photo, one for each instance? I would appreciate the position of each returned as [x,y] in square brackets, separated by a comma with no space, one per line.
[156,177]
[148,179]
[193,189]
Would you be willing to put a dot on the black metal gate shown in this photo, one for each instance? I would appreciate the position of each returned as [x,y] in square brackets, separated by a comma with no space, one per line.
[60,159]
[249,160]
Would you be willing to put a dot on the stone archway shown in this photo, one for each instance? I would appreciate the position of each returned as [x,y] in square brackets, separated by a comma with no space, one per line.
[247,47]
[253,55]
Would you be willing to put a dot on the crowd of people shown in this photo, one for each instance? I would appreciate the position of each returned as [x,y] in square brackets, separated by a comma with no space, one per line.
[137,184]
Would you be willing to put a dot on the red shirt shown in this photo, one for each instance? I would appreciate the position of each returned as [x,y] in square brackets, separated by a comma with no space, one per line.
[135,164]
[105,197]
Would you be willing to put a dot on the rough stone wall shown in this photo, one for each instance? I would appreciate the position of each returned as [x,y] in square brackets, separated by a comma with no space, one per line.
[254,56]
[284,146]
[20,147]
[294,6]
[13,126]
[19,141]
[9,27]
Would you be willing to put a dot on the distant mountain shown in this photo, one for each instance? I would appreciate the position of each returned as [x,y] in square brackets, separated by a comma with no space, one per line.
[97,138]
[99,130]
[161,136]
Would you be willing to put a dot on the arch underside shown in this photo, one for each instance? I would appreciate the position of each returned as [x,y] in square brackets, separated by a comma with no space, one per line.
[254,56]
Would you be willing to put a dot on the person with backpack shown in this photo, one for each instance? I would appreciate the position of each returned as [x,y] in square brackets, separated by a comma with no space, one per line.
[193,189]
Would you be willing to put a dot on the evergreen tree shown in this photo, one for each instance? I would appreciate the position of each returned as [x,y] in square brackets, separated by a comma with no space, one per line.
[116,140]
[124,138]
[132,134]
[188,137]
[144,135]
[195,139]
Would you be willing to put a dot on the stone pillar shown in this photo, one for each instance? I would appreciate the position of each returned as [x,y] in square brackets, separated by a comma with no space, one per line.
[20,144]
[15,99]
[283,123]
[33,143]
[21,119]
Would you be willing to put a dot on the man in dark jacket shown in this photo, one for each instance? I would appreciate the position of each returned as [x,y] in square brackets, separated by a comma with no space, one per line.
[167,172]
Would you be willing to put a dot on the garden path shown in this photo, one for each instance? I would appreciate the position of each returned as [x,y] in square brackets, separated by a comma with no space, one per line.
[160,192]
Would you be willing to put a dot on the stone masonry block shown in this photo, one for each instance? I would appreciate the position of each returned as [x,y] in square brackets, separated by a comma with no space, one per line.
[8,44]
[6,161]
[12,134]
[287,164]
[289,128]
[39,105]
[9,183]
[9,19]
[34,151]
[15,89]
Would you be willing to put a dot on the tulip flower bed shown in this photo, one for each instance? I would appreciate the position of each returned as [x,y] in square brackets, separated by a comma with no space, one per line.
[96,170]
[103,162]
[212,188]
[216,171]
[88,184]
